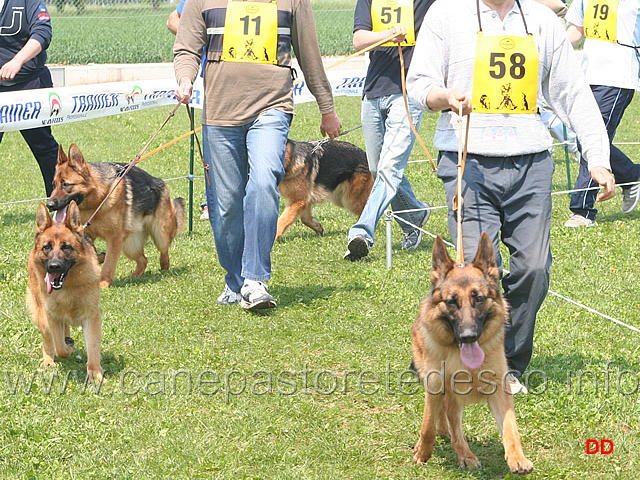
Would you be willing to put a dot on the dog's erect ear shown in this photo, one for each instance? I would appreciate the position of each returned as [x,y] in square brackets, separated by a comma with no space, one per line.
[73,220]
[43,220]
[486,257]
[62,157]
[76,159]
[441,260]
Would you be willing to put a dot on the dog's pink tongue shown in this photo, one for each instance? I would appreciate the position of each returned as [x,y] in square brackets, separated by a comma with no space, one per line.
[48,278]
[471,355]
[60,215]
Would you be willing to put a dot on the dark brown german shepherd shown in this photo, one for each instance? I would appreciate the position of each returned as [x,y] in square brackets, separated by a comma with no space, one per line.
[458,352]
[138,208]
[334,171]
[64,277]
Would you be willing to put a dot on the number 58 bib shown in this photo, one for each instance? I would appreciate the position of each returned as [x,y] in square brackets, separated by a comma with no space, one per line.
[505,77]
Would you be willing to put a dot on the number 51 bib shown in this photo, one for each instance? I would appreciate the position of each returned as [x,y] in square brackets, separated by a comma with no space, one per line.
[389,13]
[505,77]
[250,32]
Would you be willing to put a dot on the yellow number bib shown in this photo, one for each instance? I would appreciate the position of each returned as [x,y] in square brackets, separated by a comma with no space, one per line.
[386,14]
[600,20]
[250,32]
[505,77]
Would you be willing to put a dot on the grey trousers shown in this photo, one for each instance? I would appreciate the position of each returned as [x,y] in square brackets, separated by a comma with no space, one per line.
[510,199]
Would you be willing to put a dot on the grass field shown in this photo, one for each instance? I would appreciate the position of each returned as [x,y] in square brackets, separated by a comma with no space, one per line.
[137,33]
[312,389]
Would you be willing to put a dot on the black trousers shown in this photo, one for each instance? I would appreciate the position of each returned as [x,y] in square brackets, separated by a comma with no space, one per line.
[612,101]
[40,140]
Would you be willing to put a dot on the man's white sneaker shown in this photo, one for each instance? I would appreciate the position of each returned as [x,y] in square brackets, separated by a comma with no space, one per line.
[577,220]
[630,196]
[412,239]
[255,296]
[228,297]
[514,385]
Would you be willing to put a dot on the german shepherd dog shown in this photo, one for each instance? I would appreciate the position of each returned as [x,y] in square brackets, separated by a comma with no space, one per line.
[64,277]
[139,207]
[334,171]
[458,352]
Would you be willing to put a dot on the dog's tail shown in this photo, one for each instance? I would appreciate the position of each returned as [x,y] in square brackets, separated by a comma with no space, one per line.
[181,217]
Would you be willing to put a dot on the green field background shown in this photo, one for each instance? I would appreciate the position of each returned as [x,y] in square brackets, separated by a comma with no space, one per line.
[109,32]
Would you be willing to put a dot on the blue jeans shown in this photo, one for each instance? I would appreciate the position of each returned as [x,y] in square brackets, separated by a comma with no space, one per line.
[246,165]
[388,139]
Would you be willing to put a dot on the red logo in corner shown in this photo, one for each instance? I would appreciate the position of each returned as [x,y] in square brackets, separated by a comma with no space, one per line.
[604,446]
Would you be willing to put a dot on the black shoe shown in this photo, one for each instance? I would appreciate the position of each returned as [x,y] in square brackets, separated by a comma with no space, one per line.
[357,249]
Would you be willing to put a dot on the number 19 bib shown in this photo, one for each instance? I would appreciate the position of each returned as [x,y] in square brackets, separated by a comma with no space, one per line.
[505,77]
[600,20]
[250,32]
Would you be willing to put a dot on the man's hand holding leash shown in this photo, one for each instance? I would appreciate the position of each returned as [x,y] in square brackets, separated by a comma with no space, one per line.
[184,90]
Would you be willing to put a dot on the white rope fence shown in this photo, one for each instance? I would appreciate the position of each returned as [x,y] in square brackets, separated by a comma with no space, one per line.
[390,215]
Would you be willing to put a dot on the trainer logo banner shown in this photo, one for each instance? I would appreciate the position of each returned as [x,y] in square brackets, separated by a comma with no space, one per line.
[24,109]
[343,83]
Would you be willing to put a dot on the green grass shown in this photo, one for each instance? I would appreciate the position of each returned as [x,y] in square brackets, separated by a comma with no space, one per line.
[336,322]
[137,33]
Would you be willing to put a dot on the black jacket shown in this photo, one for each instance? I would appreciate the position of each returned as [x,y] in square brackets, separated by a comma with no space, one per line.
[21,20]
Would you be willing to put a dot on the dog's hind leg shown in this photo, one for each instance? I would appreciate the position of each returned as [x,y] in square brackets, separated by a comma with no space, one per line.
[501,405]
[442,426]
[133,248]
[290,214]
[466,458]
[426,442]
[165,225]
[309,221]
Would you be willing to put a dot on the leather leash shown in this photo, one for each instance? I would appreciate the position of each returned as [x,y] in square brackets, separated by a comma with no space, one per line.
[457,199]
[129,167]
[406,106]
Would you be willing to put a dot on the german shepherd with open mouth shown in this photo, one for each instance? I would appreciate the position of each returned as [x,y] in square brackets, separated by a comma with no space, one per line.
[64,277]
[458,352]
[138,208]
[333,171]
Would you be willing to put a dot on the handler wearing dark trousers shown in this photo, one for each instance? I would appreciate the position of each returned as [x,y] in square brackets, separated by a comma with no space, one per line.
[497,59]
[610,63]
[25,28]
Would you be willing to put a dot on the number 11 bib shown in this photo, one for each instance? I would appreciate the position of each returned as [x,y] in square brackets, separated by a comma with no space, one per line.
[250,32]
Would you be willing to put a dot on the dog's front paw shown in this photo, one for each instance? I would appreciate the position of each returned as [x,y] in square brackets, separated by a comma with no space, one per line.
[420,454]
[104,283]
[469,461]
[95,376]
[519,464]
[47,362]
[419,458]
